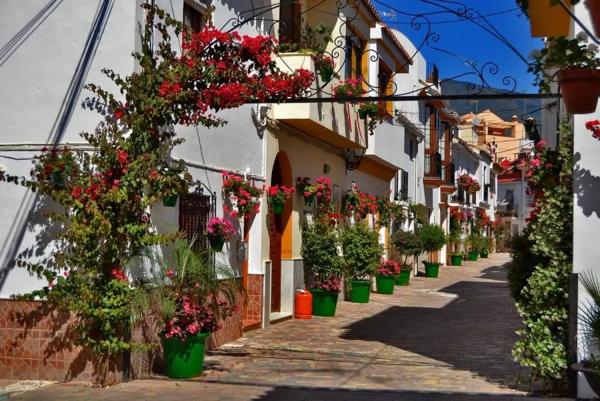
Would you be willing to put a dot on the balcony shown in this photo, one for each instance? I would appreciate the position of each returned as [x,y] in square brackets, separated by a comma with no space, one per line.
[337,124]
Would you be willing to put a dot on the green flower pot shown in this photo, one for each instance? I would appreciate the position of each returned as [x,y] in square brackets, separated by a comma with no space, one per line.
[184,359]
[309,201]
[473,256]
[277,208]
[385,284]
[216,244]
[484,254]
[362,114]
[170,200]
[58,179]
[456,260]
[360,291]
[326,74]
[403,278]
[432,270]
[324,302]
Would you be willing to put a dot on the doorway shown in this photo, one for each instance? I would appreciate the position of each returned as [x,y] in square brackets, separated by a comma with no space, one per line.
[280,230]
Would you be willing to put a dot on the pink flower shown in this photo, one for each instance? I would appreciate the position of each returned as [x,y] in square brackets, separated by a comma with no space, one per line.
[541,145]
[170,273]
[535,163]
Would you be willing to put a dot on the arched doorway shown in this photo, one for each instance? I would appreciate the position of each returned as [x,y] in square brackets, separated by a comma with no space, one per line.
[280,229]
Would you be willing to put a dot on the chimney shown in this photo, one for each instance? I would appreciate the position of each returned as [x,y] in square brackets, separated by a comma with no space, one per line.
[515,119]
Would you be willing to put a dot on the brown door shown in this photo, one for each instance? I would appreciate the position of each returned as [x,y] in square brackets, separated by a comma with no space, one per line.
[275,233]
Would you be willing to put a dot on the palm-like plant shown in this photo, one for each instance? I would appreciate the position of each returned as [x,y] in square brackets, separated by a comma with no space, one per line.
[590,313]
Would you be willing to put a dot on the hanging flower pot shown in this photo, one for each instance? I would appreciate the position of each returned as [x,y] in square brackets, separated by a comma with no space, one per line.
[594,9]
[580,88]
[326,73]
[277,208]
[546,19]
[216,243]
[58,179]
[170,200]
[362,114]
[308,201]
[184,359]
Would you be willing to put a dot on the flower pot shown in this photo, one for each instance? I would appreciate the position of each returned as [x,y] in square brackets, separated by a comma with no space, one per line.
[456,260]
[326,74]
[324,302]
[473,256]
[170,200]
[546,19]
[309,201]
[580,88]
[594,9]
[385,284]
[277,208]
[216,244]
[431,269]
[184,359]
[360,291]
[403,278]
[58,179]
[363,114]
[483,254]
[591,376]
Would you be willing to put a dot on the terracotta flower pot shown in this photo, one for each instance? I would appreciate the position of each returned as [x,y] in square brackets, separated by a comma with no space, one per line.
[580,88]
[594,9]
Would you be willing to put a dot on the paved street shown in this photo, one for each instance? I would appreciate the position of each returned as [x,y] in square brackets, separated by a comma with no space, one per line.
[438,339]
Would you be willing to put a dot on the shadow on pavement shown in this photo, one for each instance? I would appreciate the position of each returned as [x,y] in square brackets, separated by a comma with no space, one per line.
[474,332]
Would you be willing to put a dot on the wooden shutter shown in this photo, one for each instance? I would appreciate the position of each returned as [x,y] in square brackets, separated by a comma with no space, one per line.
[194,212]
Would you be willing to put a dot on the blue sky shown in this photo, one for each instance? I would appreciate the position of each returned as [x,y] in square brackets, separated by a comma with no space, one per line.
[469,41]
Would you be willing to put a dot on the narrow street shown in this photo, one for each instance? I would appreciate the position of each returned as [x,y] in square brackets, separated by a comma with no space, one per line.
[441,339]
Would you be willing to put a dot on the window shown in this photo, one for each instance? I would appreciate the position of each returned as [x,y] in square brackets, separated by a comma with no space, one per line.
[509,198]
[508,132]
[290,20]
[354,55]
[386,87]
[195,14]
[194,212]
[404,185]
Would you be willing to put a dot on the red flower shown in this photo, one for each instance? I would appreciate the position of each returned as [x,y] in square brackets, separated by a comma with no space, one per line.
[117,273]
[76,192]
[122,156]
[154,175]
[119,113]
[170,273]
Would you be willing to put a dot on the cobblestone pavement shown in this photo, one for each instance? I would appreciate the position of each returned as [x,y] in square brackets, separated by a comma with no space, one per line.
[438,339]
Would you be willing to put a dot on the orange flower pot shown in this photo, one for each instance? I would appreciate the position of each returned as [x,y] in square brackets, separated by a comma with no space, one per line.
[580,88]
[546,19]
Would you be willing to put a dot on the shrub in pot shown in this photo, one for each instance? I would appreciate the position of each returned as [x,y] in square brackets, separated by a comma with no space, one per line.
[386,276]
[574,63]
[323,264]
[407,244]
[484,248]
[433,239]
[191,294]
[361,255]
[475,241]
[455,243]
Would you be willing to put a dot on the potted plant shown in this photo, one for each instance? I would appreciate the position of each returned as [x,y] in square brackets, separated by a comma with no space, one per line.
[575,63]
[219,231]
[243,195]
[457,216]
[323,263]
[433,239]
[361,254]
[191,294]
[407,244]
[55,166]
[308,191]
[484,247]
[546,17]
[386,276]
[359,204]
[368,109]
[475,243]
[277,195]
[349,88]
[325,66]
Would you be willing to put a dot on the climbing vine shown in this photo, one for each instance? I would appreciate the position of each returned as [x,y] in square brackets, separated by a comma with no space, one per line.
[544,300]
[107,194]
